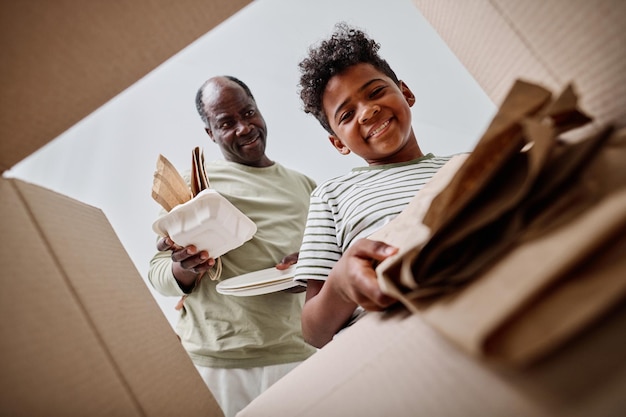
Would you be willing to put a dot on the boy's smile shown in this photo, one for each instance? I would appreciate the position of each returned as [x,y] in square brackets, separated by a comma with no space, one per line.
[370,116]
[379,129]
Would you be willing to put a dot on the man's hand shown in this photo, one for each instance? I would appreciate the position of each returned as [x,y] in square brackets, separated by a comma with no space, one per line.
[285,263]
[187,262]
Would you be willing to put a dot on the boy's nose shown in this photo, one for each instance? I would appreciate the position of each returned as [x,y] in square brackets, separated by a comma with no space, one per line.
[368,112]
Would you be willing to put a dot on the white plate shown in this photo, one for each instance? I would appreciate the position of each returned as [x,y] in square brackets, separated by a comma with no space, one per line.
[260,282]
[209,221]
[258,278]
[266,289]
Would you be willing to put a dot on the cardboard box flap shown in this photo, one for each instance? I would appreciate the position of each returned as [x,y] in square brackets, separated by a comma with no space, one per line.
[30,336]
[62,60]
[394,364]
[80,332]
[552,43]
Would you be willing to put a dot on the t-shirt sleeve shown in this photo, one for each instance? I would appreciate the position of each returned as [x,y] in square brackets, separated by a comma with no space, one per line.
[319,251]
[160,275]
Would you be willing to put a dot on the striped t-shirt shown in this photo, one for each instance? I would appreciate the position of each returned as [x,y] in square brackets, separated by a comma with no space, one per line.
[355,205]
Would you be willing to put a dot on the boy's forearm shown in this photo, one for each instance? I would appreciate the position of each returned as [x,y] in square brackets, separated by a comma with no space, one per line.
[324,315]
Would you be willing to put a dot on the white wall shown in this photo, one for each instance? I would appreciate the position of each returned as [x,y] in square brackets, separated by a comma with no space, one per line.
[107,160]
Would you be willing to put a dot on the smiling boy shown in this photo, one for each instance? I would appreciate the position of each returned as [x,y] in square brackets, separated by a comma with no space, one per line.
[358,99]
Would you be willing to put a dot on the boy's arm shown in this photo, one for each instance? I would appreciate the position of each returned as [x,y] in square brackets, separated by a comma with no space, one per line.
[324,313]
[352,282]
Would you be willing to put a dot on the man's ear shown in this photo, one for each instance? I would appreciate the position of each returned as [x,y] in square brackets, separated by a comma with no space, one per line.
[407,93]
[339,145]
[209,132]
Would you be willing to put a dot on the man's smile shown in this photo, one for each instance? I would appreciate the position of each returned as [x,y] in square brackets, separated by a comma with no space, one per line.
[249,141]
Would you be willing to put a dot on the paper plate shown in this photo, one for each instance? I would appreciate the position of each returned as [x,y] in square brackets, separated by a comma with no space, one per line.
[209,221]
[267,289]
[260,282]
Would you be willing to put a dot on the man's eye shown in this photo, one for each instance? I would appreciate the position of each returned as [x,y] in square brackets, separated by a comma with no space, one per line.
[250,113]
[225,125]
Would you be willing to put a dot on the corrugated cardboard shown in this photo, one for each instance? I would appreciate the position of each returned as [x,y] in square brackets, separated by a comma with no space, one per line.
[63,59]
[80,333]
[395,363]
[551,42]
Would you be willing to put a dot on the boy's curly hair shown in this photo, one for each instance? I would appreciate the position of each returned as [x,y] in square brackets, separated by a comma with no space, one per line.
[347,46]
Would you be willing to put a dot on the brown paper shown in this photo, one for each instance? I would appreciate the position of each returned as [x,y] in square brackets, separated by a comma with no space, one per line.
[406,231]
[522,246]
[199,178]
[169,189]
[544,291]
[497,176]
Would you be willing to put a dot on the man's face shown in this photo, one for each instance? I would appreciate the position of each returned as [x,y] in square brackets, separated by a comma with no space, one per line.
[236,124]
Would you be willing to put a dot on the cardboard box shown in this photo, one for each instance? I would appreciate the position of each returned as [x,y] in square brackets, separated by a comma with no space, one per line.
[394,363]
[80,333]
[551,42]
[61,60]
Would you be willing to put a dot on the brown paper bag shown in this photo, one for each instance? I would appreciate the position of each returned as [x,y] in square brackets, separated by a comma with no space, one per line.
[509,234]
[544,291]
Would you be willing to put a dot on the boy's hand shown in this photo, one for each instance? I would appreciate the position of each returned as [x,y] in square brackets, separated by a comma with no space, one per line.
[354,277]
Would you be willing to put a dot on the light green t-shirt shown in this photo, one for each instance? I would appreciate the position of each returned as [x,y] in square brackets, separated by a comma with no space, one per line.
[240,332]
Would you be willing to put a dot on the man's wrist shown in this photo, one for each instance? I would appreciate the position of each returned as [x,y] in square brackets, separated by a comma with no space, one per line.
[185,278]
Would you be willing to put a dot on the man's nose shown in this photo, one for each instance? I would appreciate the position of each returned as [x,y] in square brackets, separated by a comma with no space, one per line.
[243,128]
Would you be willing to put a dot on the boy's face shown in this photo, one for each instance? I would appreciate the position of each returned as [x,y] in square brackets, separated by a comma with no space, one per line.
[370,116]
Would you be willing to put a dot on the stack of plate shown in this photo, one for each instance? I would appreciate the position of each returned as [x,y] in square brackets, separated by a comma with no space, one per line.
[260,282]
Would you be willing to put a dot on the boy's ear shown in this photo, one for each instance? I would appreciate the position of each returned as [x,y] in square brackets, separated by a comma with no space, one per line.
[407,93]
[339,145]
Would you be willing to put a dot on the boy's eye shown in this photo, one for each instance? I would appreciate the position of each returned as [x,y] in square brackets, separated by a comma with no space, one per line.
[345,116]
[377,91]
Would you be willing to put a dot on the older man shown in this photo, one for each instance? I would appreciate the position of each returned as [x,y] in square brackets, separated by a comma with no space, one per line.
[240,345]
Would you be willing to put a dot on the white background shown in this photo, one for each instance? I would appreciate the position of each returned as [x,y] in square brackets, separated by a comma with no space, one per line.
[107,160]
